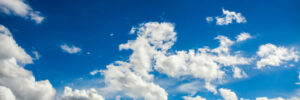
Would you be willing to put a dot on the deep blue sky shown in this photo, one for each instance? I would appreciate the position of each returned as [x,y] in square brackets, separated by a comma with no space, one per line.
[89,23]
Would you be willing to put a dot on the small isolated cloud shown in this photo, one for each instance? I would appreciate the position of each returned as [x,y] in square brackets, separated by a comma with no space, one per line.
[70,49]
[193,98]
[228,94]
[242,37]
[20,8]
[95,72]
[227,18]
[76,94]
[272,55]
[209,19]
[36,55]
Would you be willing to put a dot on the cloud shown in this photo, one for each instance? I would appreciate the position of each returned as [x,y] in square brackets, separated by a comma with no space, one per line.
[228,94]
[209,19]
[76,94]
[238,73]
[36,55]
[70,49]
[20,8]
[243,36]
[227,18]
[14,77]
[265,98]
[193,98]
[272,55]
[6,94]
[94,72]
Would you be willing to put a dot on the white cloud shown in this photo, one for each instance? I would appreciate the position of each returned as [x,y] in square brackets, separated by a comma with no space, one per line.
[209,19]
[6,94]
[272,55]
[228,94]
[193,98]
[191,87]
[132,78]
[76,94]
[228,17]
[19,8]
[238,73]
[265,98]
[70,49]
[13,76]
[243,36]
[94,72]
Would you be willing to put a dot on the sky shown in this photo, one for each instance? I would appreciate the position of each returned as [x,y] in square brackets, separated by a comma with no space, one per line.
[149,50]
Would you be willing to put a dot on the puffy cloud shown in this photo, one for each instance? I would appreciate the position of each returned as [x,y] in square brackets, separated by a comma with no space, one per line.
[272,55]
[243,36]
[19,8]
[18,80]
[76,94]
[132,78]
[6,94]
[238,73]
[265,98]
[228,94]
[228,17]
[70,49]
[205,63]
[193,98]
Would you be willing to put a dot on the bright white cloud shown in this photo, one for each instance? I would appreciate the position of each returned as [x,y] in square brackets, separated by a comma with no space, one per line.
[14,77]
[272,55]
[228,94]
[243,36]
[238,73]
[265,98]
[76,94]
[94,72]
[6,94]
[70,49]
[228,17]
[19,8]
[193,98]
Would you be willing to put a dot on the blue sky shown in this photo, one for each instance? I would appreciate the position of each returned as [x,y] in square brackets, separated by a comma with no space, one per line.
[98,28]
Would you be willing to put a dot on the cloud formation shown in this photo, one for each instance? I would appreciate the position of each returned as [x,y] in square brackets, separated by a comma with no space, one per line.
[228,94]
[20,8]
[76,94]
[227,18]
[14,78]
[272,55]
[193,98]
[70,49]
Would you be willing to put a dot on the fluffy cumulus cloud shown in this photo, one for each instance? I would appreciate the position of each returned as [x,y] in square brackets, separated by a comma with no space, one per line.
[272,55]
[20,8]
[228,17]
[14,78]
[76,94]
[193,98]
[228,94]
[132,77]
[6,94]
[71,49]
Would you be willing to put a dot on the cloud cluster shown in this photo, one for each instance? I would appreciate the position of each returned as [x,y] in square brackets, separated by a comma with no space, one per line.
[272,55]
[70,49]
[228,17]
[20,8]
[76,94]
[15,81]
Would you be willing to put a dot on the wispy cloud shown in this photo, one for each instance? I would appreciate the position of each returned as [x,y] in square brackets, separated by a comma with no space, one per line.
[71,49]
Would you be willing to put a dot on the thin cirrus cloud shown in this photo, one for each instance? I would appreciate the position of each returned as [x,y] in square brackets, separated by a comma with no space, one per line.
[71,49]
[20,8]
